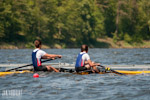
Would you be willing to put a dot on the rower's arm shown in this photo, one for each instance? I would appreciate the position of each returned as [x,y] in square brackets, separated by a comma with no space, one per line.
[48,56]
[90,63]
[93,64]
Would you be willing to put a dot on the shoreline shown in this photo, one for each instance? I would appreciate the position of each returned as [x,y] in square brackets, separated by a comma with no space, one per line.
[101,43]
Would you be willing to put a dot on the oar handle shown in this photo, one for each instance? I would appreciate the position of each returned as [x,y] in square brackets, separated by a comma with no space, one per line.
[29,65]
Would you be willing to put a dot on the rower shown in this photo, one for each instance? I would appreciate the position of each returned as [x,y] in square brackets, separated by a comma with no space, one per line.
[39,54]
[83,61]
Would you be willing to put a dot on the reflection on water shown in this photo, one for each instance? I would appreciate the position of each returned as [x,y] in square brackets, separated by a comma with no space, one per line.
[66,86]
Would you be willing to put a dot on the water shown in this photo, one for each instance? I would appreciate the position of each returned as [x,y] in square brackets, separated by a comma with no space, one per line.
[66,86]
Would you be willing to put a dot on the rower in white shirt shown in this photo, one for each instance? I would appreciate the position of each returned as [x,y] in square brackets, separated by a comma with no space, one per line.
[39,54]
[83,61]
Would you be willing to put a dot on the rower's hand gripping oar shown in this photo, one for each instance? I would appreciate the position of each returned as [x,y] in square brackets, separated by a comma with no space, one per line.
[112,70]
[29,64]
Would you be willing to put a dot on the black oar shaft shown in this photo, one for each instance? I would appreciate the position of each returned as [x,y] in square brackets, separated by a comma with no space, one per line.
[113,71]
[18,67]
[26,65]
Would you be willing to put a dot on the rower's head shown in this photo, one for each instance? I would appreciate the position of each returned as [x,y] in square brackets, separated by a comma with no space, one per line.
[84,48]
[38,43]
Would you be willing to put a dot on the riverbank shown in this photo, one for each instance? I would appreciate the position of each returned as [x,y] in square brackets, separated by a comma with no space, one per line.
[101,43]
[124,44]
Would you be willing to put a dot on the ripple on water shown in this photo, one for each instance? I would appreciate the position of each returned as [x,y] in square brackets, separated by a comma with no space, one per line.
[65,86]
[68,86]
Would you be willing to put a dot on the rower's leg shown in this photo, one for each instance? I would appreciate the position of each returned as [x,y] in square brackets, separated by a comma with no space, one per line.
[50,68]
[89,68]
[95,69]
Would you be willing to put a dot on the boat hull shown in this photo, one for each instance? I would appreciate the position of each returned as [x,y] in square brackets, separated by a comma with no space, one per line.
[83,73]
[126,72]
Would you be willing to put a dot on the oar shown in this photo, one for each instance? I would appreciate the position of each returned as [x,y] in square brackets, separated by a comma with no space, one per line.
[113,70]
[28,65]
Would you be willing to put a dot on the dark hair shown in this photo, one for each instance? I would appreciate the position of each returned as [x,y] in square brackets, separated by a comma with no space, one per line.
[84,48]
[37,43]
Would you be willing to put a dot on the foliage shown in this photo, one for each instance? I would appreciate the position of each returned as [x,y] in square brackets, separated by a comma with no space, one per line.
[74,22]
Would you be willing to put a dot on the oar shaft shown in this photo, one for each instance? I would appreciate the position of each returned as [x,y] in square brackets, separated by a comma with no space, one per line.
[26,65]
[113,70]
[18,68]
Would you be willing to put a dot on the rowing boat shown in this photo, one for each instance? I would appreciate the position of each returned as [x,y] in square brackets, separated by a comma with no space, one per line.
[126,72]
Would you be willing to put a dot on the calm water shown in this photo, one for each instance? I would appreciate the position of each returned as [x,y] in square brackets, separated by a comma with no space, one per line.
[65,86]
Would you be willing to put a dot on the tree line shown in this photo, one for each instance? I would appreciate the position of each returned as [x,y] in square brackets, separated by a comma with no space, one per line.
[74,22]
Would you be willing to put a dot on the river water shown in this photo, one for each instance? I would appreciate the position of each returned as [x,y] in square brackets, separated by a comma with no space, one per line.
[66,86]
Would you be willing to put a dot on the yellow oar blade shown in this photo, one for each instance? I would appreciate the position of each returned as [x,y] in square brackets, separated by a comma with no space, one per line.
[133,72]
[15,72]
